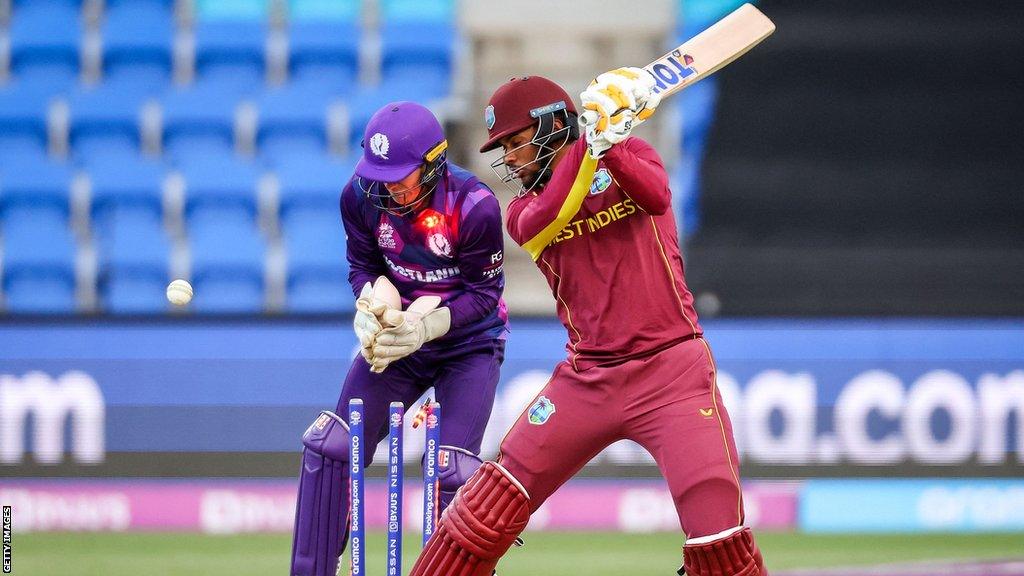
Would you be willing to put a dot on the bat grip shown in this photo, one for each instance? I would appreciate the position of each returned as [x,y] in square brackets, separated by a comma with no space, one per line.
[589,117]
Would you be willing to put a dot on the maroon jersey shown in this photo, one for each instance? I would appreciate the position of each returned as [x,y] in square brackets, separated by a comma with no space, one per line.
[603,234]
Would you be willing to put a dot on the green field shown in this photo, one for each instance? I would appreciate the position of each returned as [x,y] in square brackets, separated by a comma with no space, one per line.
[593,554]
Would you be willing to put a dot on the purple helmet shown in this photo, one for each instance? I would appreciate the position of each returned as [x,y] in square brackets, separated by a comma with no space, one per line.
[399,138]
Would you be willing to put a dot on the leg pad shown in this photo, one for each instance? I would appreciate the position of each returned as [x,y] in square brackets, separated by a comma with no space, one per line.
[321,511]
[735,554]
[483,521]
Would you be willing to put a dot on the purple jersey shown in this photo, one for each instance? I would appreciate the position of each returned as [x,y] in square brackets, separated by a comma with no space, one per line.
[452,248]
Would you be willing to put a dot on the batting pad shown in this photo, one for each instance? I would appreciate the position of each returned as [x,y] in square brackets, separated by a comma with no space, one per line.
[734,554]
[483,521]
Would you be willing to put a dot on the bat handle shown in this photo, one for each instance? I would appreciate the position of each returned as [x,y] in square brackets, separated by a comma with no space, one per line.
[590,117]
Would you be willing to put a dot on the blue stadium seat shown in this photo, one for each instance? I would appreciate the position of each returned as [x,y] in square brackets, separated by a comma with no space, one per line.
[325,52]
[45,38]
[137,40]
[368,100]
[225,244]
[320,10]
[35,189]
[23,111]
[134,255]
[134,291]
[197,118]
[317,278]
[417,10]
[256,10]
[293,118]
[39,263]
[417,53]
[231,53]
[312,181]
[227,266]
[220,190]
[127,192]
[105,118]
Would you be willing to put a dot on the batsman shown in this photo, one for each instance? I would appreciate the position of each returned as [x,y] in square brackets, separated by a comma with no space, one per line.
[594,213]
[425,252]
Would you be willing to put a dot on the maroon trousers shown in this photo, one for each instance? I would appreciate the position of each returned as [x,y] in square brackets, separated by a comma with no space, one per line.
[667,402]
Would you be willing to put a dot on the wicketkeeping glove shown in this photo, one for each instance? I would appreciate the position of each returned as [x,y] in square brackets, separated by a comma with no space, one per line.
[374,300]
[422,322]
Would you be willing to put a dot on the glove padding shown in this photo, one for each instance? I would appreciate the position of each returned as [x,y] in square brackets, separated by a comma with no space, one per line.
[374,300]
[616,102]
[406,331]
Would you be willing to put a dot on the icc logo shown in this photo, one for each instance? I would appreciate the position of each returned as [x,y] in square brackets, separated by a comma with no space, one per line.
[396,420]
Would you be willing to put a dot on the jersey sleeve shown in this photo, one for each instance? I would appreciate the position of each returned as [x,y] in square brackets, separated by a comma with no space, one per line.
[639,172]
[534,222]
[365,260]
[480,260]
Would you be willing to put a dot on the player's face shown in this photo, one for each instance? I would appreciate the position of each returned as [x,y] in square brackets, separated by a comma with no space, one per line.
[406,190]
[521,156]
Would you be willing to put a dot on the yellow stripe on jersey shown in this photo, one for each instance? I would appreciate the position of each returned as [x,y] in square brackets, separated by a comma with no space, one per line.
[577,194]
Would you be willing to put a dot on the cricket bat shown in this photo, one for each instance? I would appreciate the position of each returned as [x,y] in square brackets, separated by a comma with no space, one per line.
[705,53]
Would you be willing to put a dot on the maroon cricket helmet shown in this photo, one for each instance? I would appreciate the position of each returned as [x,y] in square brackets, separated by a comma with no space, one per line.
[519,103]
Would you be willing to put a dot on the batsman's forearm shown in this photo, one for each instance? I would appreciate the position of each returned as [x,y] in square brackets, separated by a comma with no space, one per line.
[639,172]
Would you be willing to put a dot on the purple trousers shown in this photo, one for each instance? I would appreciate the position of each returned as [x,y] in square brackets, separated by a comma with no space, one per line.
[464,379]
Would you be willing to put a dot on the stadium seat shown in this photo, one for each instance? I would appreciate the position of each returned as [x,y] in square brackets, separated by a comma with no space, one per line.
[317,279]
[134,255]
[293,118]
[133,291]
[320,10]
[39,262]
[325,52]
[219,188]
[127,192]
[417,10]
[227,266]
[307,180]
[418,54]
[105,118]
[197,118]
[231,53]
[44,43]
[35,189]
[23,111]
[368,100]
[137,40]
[255,10]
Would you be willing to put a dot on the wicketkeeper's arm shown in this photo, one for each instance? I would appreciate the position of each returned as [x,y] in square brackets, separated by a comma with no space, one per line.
[480,260]
[365,260]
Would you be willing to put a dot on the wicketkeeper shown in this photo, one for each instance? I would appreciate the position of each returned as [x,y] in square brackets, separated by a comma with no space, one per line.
[594,214]
[425,250]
